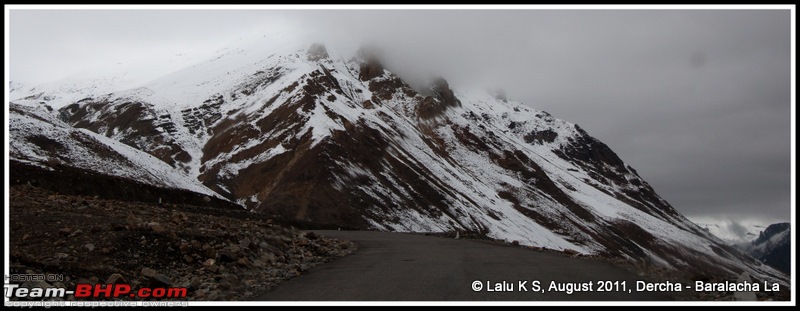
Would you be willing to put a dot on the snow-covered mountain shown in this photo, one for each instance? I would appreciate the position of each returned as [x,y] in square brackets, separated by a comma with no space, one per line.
[773,246]
[39,138]
[294,131]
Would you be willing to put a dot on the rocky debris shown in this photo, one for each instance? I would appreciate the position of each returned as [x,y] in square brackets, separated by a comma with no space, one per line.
[246,244]
[156,227]
[571,252]
[116,278]
[311,235]
[148,272]
[159,280]
[216,254]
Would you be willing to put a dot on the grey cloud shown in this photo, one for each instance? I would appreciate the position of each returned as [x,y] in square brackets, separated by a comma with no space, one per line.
[739,230]
[697,101]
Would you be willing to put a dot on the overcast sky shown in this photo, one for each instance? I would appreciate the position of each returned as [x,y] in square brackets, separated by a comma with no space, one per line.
[698,102]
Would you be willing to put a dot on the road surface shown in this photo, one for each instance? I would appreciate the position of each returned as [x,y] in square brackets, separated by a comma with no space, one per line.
[412,267]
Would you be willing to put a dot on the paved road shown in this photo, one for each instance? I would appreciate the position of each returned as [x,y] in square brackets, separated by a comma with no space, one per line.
[409,267]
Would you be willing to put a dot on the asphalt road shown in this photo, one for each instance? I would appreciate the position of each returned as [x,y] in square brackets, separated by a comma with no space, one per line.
[412,267]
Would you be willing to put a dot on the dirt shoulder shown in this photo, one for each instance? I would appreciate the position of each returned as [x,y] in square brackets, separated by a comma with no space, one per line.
[217,256]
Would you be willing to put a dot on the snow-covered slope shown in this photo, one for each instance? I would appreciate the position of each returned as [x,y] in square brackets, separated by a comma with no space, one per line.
[40,139]
[291,131]
[773,246]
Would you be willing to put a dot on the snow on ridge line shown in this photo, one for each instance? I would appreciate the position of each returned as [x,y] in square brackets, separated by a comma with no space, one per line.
[472,174]
[153,166]
[559,169]
[140,166]
[183,79]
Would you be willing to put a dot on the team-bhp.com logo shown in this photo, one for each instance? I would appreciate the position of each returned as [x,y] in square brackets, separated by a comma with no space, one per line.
[87,290]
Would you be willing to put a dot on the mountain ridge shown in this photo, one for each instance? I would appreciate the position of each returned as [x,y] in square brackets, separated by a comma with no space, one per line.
[773,246]
[307,136]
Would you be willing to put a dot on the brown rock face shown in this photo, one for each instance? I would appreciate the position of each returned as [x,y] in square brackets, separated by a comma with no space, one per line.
[371,67]
[304,190]
[442,91]
[440,99]
[130,122]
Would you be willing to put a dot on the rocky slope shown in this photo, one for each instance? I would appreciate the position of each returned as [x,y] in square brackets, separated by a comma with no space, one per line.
[304,135]
[40,139]
[218,254]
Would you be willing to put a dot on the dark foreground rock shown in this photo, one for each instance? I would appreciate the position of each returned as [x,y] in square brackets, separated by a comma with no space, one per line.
[217,256]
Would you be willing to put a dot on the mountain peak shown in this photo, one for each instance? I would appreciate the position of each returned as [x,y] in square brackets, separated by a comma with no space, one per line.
[771,231]
[316,52]
[371,66]
[773,246]
[441,97]
[302,135]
